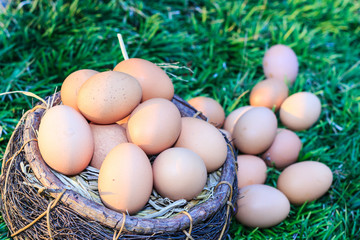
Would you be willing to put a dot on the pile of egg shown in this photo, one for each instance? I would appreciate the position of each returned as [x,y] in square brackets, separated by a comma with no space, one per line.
[116,121]
[254,132]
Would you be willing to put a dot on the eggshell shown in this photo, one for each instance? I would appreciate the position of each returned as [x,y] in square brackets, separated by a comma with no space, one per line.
[284,150]
[305,181]
[125,179]
[205,140]
[255,131]
[269,93]
[154,125]
[65,140]
[154,81]
[71,86]
[179,173]
[109,96]
[233,117]
[261,206]
[300,111]
[106,137]
[280,62]
[210,108]
[251,170]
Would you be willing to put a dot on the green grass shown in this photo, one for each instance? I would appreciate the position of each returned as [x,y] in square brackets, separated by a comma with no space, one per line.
[223,42]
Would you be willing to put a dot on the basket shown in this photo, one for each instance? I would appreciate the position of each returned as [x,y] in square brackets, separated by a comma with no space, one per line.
[35,204]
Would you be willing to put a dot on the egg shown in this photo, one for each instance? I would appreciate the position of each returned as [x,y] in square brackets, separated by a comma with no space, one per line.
[65,140]
[284,150]
[205,140]
[109,96]
[210,108]
[305,181]
[255,131]
[154,81]
[125,179]
[251,170]
[154,125]
[269,93]
[280,62]
[71,86]
[179,173]
[106,137]
[300,111]
[233,117]
[261,206]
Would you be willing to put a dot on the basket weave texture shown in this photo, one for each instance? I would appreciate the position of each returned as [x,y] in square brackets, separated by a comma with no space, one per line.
[48,210]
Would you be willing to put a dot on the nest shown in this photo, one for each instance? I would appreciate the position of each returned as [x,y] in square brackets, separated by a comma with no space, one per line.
[38,203]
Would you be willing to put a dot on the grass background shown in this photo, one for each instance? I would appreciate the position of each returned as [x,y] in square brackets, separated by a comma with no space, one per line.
[223,42]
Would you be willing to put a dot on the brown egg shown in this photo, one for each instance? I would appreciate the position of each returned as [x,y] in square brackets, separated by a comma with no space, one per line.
[255,131]
[300,111]
[106,137]
[71,86]
[154,125]
[205,140]
[284,150]
[251,170]
[261,206]
[233,117]
[125,179]
[269,93]
[305,181]
[179,173]
[154,81]
[210,108]
[108,97]
[280,62]
[65,140]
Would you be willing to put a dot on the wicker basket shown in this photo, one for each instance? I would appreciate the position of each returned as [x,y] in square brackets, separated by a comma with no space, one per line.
[46,209]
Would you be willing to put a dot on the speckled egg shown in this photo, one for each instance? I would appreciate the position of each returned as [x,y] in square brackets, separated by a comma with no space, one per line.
[109,96]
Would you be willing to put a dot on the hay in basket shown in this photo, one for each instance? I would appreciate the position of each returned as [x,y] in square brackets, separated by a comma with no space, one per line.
[38,203]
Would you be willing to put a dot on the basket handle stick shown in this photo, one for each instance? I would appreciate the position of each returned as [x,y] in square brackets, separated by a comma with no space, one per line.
[122,46]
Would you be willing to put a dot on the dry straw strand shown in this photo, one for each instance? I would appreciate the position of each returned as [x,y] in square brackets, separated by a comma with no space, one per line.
[29,94]
[48,219]
[197,114]
[116,236]
[188,234]
[229,204]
